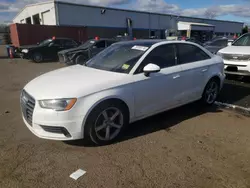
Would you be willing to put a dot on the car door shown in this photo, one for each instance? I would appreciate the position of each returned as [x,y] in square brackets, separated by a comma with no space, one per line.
[194,64]
[54,47]
[160,90]
[97,47]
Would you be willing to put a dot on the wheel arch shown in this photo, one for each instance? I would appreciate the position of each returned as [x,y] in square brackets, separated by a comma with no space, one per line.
[216,77]
[92,106]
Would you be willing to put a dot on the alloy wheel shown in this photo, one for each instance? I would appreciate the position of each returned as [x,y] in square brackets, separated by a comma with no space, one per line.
[211,92]
[109,124]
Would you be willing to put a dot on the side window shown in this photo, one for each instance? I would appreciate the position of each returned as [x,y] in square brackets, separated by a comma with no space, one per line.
[100,44]
[109,43]
[222,42]
[188,53]
[69,43]
[56,43]
[163,56]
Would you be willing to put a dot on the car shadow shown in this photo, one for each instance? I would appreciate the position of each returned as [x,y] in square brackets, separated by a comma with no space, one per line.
[237,78]
[235,92]
[162,121]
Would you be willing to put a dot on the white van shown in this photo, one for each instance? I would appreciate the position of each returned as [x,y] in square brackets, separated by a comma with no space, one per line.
[237,56]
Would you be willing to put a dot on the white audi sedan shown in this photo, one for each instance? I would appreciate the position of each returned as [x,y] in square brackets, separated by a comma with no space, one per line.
[126,82]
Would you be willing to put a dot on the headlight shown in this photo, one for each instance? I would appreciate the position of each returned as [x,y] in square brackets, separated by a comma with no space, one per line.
[219,54]
[58,104]
[25,50]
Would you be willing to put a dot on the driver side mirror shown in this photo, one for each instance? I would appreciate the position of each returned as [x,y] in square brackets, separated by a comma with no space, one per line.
[151,68]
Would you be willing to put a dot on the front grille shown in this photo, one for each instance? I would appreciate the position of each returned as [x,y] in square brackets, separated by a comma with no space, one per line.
[236,57]
[27,106]
[57,130]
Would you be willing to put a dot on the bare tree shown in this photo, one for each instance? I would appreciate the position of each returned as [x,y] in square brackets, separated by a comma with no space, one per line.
[210,14]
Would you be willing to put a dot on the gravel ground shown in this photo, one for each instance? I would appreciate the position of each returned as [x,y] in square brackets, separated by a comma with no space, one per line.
[185,147]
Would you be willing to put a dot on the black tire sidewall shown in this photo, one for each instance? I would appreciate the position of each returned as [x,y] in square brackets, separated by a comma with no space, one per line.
[89,131]
[78,59]
[35,54]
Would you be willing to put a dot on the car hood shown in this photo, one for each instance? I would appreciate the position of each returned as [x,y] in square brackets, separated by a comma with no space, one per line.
[236,50]
[72,50]
[73,81]
[28,47]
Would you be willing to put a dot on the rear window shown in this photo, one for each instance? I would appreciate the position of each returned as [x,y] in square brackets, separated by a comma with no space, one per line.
[190,53]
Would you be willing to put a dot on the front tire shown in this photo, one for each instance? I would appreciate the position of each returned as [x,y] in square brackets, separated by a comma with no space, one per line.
[81,59]
[37,57]
[106,122]
[211,92]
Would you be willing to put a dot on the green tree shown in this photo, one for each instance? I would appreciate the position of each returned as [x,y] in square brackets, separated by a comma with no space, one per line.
[245,29]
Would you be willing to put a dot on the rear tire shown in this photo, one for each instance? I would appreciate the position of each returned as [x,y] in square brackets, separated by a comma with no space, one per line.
[211,92]
[106,122]
[37,57]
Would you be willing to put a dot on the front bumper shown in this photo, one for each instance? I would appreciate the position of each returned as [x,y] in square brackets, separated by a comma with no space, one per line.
[237,67]
[64,59]
[50,124]
[24,55]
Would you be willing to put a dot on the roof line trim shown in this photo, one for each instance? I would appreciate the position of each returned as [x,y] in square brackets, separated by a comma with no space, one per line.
[138,11]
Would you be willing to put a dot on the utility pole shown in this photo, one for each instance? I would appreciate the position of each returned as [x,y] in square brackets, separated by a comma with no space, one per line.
[151,8]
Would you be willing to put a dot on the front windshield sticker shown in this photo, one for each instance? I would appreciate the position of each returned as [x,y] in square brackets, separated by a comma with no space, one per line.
[141,48]
[125,66]
[92,42]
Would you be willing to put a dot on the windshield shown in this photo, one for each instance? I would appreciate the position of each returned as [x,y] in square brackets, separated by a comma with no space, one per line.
[45,42]
[118,57]
[242,41]
[87,44]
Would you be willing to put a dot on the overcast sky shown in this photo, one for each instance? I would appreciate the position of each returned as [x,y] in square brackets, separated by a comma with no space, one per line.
[234,10]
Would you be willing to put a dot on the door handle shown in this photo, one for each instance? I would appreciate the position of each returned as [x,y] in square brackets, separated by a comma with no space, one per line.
[204,70]
[176,76]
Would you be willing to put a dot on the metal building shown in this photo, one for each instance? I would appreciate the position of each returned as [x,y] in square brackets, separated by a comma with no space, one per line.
[108,22]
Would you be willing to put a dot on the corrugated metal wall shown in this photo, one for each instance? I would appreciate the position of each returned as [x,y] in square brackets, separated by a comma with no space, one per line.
[69,14]
[72,14]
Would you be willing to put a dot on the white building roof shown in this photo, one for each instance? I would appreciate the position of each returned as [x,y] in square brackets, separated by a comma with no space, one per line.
[30,5]
[198,24]
[195,26]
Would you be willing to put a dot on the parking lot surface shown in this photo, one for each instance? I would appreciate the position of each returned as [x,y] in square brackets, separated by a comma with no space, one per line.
[186,147]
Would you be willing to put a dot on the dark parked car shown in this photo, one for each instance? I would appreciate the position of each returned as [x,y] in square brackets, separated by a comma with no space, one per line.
[192,39]
[216,44]
[85,51]
[47,49]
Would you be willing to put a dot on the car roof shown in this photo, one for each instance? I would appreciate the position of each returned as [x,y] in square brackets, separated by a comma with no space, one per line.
[101,39]
[151,42]
[62,38]
[141,42]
